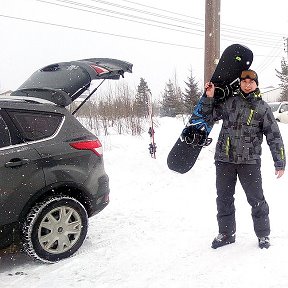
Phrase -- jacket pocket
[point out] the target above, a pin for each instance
(223, 146)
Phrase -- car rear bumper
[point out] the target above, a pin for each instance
(101, 199)
(99, 204)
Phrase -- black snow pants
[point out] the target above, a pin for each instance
(251, 181)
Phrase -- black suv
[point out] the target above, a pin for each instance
(52, 175)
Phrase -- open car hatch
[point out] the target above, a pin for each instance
(62, 83)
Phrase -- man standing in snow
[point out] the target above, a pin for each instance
(246, 118)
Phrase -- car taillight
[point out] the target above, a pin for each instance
(99, 70)
(93, 145)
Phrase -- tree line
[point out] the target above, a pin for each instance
(124, 111)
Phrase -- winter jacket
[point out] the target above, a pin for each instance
(245, 121)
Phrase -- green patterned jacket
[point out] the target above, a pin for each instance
(245, 121)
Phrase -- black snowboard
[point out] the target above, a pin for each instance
(185, 151)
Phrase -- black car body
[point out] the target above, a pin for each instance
(52, 176)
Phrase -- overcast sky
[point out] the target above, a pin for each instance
(170, 42)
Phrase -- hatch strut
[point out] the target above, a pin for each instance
(82, 103)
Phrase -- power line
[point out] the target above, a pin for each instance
(248, 31)
(99, 32)
(238, 29)
(268, 60)
(109, 34)
(253, 41)
(143, 11)
(259, 35)
(115, 12)
(259, 38)
(233, 28)
(147, 6)
(256, 42)
(126, 19)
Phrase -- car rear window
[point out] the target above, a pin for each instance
(36, 126)
(5, 139)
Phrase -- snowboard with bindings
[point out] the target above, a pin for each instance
(195, 134)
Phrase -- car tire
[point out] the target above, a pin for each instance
(54, 229)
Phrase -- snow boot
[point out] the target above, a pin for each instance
(264, 242)
(222, 239)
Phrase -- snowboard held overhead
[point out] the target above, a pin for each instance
(194, 136)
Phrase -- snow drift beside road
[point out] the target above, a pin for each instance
(158, 228)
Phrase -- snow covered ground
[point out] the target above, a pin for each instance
(158, 228)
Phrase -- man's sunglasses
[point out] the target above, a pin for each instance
(248, 74)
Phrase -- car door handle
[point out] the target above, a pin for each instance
(15, 162)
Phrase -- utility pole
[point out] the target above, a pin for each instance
(212, 37)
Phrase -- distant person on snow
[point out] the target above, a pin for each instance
(246, 118)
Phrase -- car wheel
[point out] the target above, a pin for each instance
(54, 229)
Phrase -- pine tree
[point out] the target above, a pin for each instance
(141, 100)
(191, 95)
(171, 103)
(283, 76)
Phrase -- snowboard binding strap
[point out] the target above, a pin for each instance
(195, 137)
(198, 140)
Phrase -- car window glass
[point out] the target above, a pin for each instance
(284, 107)
(36, 126)
(274, 107)
(5, 139)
